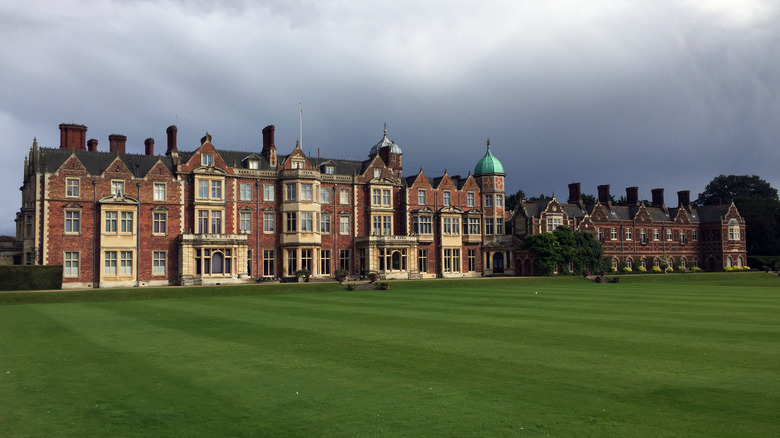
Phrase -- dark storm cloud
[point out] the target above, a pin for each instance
(654, 94)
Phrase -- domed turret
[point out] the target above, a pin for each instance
(386, 142)
(488, 164)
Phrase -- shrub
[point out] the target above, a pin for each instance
(585, 273)
(341, 275)
(627, 270)
(302, 273)
(669, 269)
(612, 269)
(695, 269)
(599, 279)
(614, 280)
(381, 286)
(641, 269)
(350, 286)
(656, 269)
(373, 277)
(728, 268)
(30, 277)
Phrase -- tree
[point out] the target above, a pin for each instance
(514, 199)
(546, 251)
(588, 199)
(564, 246)
(757, 202)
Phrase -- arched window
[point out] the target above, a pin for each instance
(739, 261)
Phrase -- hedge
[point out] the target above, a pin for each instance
(27, 277)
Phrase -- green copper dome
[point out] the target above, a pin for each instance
(488, 164)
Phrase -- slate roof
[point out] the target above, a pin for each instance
(97, 162)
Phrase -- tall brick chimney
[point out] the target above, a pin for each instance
(269, 148)
(658, 197)
(149, 146)
(632, 195)
(92, 145)
(604, 196)
(171, 131)
(116, 143)
(574, 193)
(73, 136)
(684, 197)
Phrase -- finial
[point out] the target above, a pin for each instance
(385, 128)
(488, 143)
(297, 144)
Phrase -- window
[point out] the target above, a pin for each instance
(630, 264)
(450, 225)
(422, 224)
(382, 225)
(489, 226)
(111, 221)
(268, 263)
(451, 260)
(377, 173)
(325, 196)
(473, 225)
(613, 233)
(207, 160)
(125, 263)
(216, 222)
(422, 260)
(446, 198)
(599, 235)
(110, 263)
(325, 223)
(330, 170)
(733, 229)
(245, 192)
(470, 199)
(254, 164)
(126, 222)
(655, 235)
(268, 193)
(343, 224)
(209, 221)
(307, 192)
(70, 264)
(499, 227)
(306, 260)
(488, 200)
(669, 235)
(307, 222)
(421, 197)
(627, 234)
(386, 197)
(292, 192)
(694, 235)
(553, 222)
(159, 191)
(642, 236)
(72, 222)
(344, 196)
(472, 255)
(216, 189)
(499, 200)
(72, 188)
(297, 164)
(292, 225)
(159, 223)
(158, 262)
(344, 259)
(245, 222)
(28, 224)
(217, 261)
(117, 188)
(683, 240)
(269, 222)
(325, 262)
(203, 189)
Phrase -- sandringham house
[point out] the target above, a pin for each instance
(214, 216)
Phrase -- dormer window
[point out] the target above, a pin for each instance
(377, 173)
(297, 164)
(330, 170)
(207, 160)
(254, 164)
(117, 188)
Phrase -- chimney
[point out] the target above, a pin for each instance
(574, 193)
(149, 146)
(172, 130)
(658, 197)
(684, 197)
(116, 143)
(73, 136)
(92, 145)
(632, 195)
(268, 137)
(604, 196)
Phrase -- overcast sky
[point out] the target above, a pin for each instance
(657, 93)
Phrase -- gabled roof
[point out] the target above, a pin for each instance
(97, 162)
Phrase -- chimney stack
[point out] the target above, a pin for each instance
(684, 197)
(171, 131)
(575, 194)
(116, 143)
(92, 145)
(632, 195)
(149, 146)
(658, 197)
(604, 196)
(268, 138)
(73, 136)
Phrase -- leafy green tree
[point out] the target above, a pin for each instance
(588, 252)
(514, 199)
(546, 251)
(588, 199)
(757, 202)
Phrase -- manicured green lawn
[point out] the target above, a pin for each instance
(694, 355)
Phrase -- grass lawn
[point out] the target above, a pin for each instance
(694, 355)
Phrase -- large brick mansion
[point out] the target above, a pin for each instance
(213, 216)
